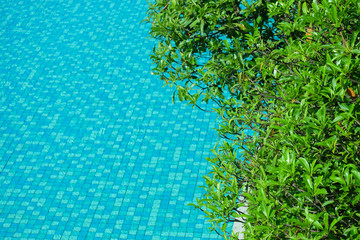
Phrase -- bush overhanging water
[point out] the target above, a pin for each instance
(285, 76)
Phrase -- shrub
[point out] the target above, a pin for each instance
(285, 77)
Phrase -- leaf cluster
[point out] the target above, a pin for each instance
(285, 77)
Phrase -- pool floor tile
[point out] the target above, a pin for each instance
(91, 145)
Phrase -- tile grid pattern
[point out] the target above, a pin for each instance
(91, 146)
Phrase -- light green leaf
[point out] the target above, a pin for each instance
(305, 164)
(338, 118)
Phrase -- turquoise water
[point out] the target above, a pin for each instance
(91, 146)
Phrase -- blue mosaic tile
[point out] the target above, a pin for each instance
(91, 145)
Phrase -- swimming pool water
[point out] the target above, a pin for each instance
(91, 146)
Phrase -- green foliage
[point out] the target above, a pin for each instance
(285, 76)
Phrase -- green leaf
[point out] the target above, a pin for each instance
(309, 183)
(173, 97)
(356, 174)
(334, 14)
(338, 118)
(305, 165)
(321, 114)
(338, 180)
(335, 221)
(334, 67)
(202, 27)
(315, 6)
(321, 191)
(327, 203)
(304, 8)
(326, 221)
(356, 51)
